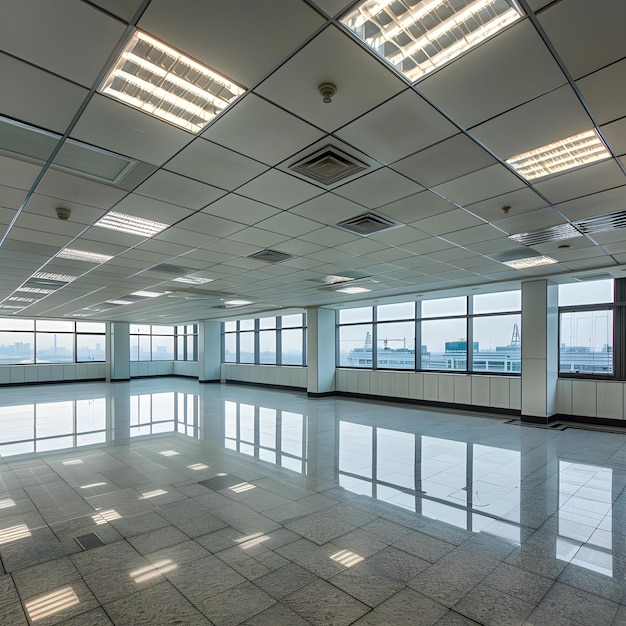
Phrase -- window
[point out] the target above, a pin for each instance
(276, 340)
(586, 328)
(163, 343)
(479, 333)
(51, 341)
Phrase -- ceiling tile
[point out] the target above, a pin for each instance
(179, 190)
(14, 173)
(488, 182)
(449, 159)
(509, 69)
(210, 225)
(258, 237)
(519, 201)
(212, 164)
(605, 92)
(328, 209)
(448, 222)
(418, 206)
(379, 187)
(328, 236)
(122, 8)
(474, 234)
(544, 120)
(289, 224)
(256, 40)
(261, 131)
(528, 222)
(122, 129)
(318, 63)
(54, 112)
(185, 237)
(400, 126)
(615, 134)
(595, 204)
(279, 190)
(582, 181)
(56, 35)
(599, 25)
(240, 209)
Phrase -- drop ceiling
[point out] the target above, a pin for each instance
(434, 153)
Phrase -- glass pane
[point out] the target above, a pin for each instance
(444, 307)
(55, 347)
(180, 348)
(246, 347)
(399, 311)
(497, 344)
(395, 458)
(246, 324)
(144, 348)
(290, 321)
(162, 348)
(91, 327)
(230, 326)
(267, 347)
(586, 342)
(90, 348)
(355, 346)
(494, 302)
(17, 348)
(444, 346)
(16, 324)
(267, 427)
(292, 346)
(347, 316)
(230, 348)
(355, 449)
(162, 330)
(191, 348)
(56, 327)
(139, 329)
(444, 470)
(591, 292)
(396, 345)
(267, 322)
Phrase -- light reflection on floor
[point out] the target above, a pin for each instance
(377, 505)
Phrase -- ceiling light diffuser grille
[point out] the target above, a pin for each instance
(154, 78)
(368, 224)
(547, 235)
(417, 36)
(328, 165)
(602, 223)
(130, 224)
(270, 256)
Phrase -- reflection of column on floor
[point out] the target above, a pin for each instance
(119, 408)
(539, 474)
(322, 436)
(211, 416)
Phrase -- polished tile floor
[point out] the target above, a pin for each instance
(162, 502)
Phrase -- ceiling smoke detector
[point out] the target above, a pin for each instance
(327, 91)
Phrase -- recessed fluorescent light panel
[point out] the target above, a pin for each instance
(118, 302)
(335, 279)
(193, 280)
(35, 290)
(237, 302)
(561, 155)
(62, 278)
(154, 78)
(533, 261)
(353, 290)
(130, 224)
(418, 36)
(146, 294)
(83, 255)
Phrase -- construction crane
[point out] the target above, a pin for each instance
(386, 342)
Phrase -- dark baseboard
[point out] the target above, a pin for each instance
(228, 381)
(53, 382)
(323, 394)
(212, 381)
(162, 376)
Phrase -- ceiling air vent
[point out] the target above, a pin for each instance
(547, 235)
(270, 256)
(328, 165)
(368, 224)
(602, 223)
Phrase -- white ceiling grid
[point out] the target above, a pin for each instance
(435, 153)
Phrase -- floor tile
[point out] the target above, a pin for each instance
(402, 609)
(284, 580)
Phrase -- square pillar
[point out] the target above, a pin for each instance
(320, 351)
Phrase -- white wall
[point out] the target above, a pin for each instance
(284, 375)
(151, 368)
(51, 372)
(591, 398)
(502, 392)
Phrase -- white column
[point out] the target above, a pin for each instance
(320, 351)
(209, 351)
(119, 353)
(540, 327)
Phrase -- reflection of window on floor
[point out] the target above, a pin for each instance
(585, 516)
(278, 437)
(431, 476)
(166, 412)
(46, 426)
